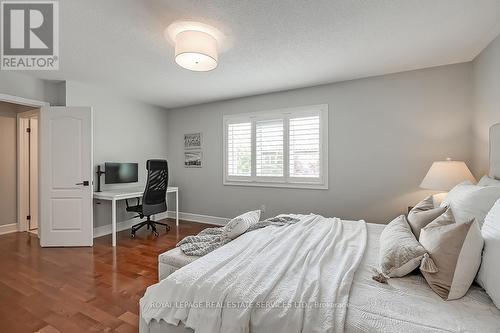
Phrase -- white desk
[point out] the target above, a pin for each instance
(129, 193)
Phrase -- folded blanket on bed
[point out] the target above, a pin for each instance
(293, 279)
(212, 238)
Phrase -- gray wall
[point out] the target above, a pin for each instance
(384, 133)
(486, 74)
(8, 164)
(12, 83)
(124, 131)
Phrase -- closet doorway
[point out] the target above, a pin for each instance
(19, 163)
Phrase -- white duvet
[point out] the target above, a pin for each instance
(295, 278)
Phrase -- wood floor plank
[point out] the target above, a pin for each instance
(51, 290)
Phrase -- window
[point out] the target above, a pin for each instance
(281, 148)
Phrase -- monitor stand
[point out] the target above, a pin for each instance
(99, 173)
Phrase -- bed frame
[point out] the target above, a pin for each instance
(495, 151)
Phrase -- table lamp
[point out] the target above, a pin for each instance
(444, 175)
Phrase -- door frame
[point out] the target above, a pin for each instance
(36, 104)
(24, 168)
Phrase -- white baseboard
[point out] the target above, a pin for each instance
(125, 225)
(8, 228)
(199, 218)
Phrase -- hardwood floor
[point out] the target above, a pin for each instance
(80, 289)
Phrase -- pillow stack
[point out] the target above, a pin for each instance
(447, 241)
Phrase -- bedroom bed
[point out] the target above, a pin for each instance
(405, 304)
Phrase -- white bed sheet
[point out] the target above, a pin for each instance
(409, 305)
(403, 305)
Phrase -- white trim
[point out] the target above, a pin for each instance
(8, 228)
(207, 219)
(307, 186)
(127, 224)
(286, 181)
(22, 168)
(23, 101)
(22, 173)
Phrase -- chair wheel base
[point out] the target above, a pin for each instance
(151, 225)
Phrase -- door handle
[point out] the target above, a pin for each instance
(84, 183)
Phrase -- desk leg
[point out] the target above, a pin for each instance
(177, 209)
(113, 222)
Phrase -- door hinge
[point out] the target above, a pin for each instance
(28, 217)
(28, 130)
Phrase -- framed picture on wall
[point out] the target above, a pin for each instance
(192, 141)
(193, 159)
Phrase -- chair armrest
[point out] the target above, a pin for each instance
(138, 202)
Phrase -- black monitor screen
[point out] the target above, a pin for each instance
(120, 173)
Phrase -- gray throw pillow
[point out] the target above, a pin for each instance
(400, 252)
(240, 224)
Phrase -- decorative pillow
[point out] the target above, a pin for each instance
(469, 201)
(489, 272)
(488, 181)
(423, 214)
(400, 252)
(455, 249)
(240, 224)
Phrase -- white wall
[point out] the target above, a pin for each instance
(8, 164)
(486, 74)
(384, 134)
(124, 131)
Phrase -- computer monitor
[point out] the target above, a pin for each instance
(116, 173)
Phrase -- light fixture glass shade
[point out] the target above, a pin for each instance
(196, 51)
(444, 175)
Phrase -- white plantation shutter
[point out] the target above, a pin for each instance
(305, 147)
(269, 148)
(239, 149)
(280, 148)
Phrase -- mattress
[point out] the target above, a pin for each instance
(403, 305)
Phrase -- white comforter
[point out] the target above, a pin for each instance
(288, 279)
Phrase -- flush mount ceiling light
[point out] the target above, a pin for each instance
(196, 45)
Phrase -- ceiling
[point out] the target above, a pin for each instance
(275, 45)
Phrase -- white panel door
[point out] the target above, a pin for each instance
(66, 166)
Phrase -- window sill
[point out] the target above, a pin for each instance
(306, 186)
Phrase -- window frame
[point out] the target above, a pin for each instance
(286, 181)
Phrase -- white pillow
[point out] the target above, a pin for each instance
(488, 181)
(489, 272)
(240, 224)
(469, 201)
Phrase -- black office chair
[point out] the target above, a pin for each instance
(154, 200)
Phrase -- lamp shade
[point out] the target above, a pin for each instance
(196, 50)
(444, 175)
